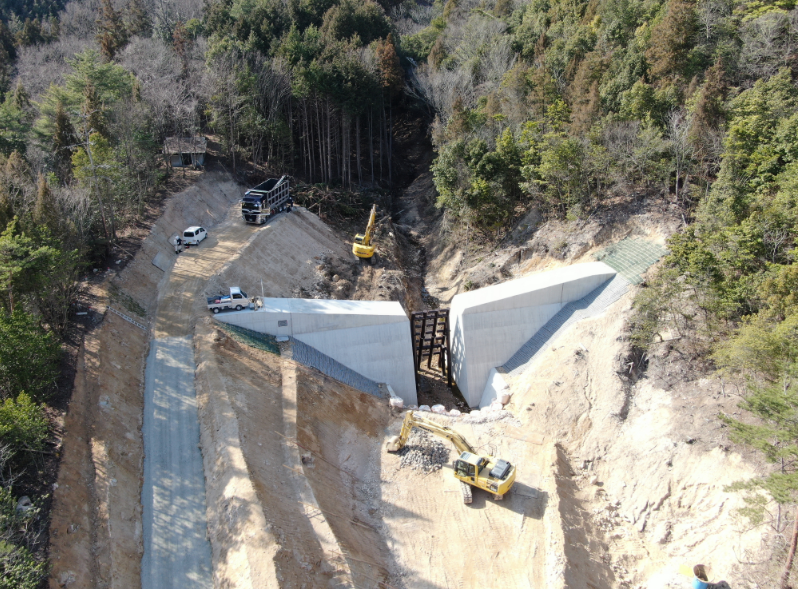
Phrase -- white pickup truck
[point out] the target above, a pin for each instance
(235, 300)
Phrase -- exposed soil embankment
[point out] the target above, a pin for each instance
(96, 527)
(643, 460)
(292, 467)
(647, 463)
(340, 433)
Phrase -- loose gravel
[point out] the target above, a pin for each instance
(423, 452)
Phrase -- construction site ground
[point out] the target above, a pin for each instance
(617, 486)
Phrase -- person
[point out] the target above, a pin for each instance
(289, 204)
(178, 245)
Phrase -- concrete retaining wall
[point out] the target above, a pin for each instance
(489, 325)
(369, 337)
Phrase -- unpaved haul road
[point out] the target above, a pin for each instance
(176, 549)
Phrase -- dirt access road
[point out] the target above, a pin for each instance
(173, 494)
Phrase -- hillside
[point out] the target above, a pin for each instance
(499, 138)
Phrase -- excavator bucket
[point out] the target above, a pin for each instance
(392, 445)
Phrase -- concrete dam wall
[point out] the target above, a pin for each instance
(370, 337)
(491, 324)
(487, 327)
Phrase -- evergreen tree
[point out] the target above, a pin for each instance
(390, 69)
(777, 438)
(181, 41)
(672, 38)
(768, 351)
(92, 111)
(7, 41)
(64, 140)
(111, 33)
(138, 20)
(709, 113)
(31, 33)
(44, 212)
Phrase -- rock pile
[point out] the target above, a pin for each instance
(423, 452)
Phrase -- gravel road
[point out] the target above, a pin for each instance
(176, 550)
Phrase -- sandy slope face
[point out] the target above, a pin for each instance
(288, 446)
(290, 463)
(646, 464)
(96, 527)
(295, 254)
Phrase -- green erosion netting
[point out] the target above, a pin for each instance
(260, 341)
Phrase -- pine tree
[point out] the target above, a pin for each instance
(21, 98)
(390, 70)
(709, 114)
(44, 212)
(31, 33)
(777, 437)
(671, 41)
(111, 33)
(8, 53)
(181, 41)
(7, 41)
(93, 115)
(138, 19)
(64, 140)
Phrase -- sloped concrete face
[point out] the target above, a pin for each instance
(370, 337)
(490, 324)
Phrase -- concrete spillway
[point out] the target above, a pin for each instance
(369, 337)
(489, 325)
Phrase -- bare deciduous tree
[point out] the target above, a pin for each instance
(768, 42)
(39, 66)
(681, 148)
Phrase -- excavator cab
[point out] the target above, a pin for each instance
(467, 466)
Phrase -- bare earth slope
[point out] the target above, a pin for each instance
(641, 466)
(647, 463)
(96, 527)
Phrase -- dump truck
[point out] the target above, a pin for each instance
(362, 247)
(235, 300)
(266, 200)
(472, 470)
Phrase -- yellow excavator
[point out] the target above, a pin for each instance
(362, 247)
(473, 470)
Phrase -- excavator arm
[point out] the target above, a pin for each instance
(370, 226)
(362, 247)
(412, 420)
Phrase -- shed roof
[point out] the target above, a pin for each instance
(196, 144)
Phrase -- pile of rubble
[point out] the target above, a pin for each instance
(423, 452)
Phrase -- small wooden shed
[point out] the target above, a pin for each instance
(183, 152)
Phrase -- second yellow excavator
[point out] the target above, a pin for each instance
(473, 470)
(362, 247)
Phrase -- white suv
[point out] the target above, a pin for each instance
(193, 235)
